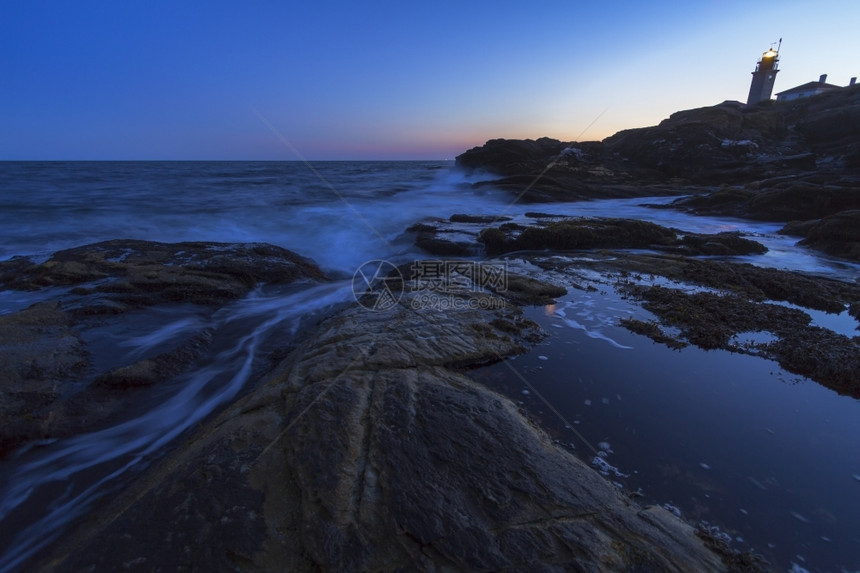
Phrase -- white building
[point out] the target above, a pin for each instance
(810, 89)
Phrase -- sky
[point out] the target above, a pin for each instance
(333, 80)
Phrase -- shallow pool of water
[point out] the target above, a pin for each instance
(732, 440)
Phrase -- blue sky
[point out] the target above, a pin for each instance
(383, 80)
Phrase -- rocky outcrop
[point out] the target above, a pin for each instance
(568, 233)
(139, 273)
(772, 162)
(512, 156)
(837, 234)
(39, 353)
(366, 449)
(711, 321)
(51, 384)
(739, 298)
(725, 143)
(805, 198)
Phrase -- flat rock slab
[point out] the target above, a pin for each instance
(366, 450)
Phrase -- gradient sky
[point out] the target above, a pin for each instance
(383, 80)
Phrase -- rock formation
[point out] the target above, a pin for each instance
(366, 449)
(773, 161)
(48, 383)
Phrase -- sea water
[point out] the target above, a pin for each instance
(731, 442)
(342, 214)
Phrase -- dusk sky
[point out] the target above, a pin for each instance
(383, 80)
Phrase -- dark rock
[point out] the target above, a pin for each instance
(582, 233)
(815, 141)
(421, 227)
(494, 240)
(558, 233)
(541, 188)
(491, 219)
(364, 451)
(39, 352)
(159, 368)
(710, 321)
(540, 215)
(754, 283)
(526, 290)
(145, 273)
(702, 144)
(441, 246)
(512, 156)
(652, 330)
(451, 238)
(837, 235)
(784, 201)
(830, 123)
(720, 244)
(49, 385)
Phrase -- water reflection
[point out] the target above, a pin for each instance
(732, 441)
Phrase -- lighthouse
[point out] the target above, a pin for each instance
(764, 76)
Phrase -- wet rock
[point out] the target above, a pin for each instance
(159, 368)
(652, 330)
(46, 377)
(461, 218)
(365, 450)
(562, 234)
(784, 201)
(711, 321)
(743, 302)
(39, 351)
(445, 247)
(455, 238)
(50, 384)
(752, 282)
(720, 244)
(526, 290)
(830, 124)
(837, 235)
(579, 233)
(144, 273)
(821, 355)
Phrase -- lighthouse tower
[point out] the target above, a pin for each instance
(764, 76)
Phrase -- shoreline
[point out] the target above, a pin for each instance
(375, 484)
(523, 291)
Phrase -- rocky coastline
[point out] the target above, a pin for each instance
(366, 445)
(796, 163)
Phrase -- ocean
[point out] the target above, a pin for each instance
(674, 421)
